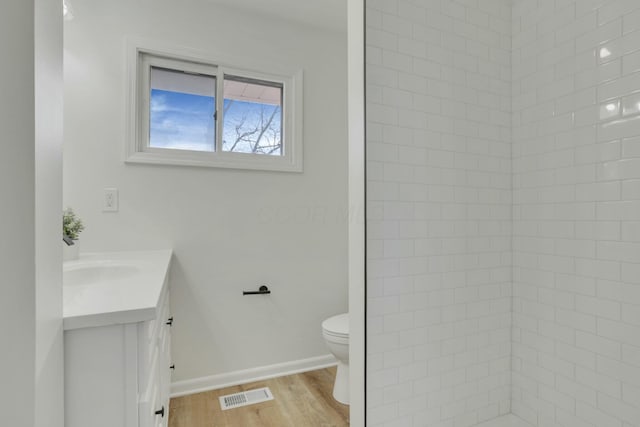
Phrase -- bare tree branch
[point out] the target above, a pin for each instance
(264, 127)
(256, 130)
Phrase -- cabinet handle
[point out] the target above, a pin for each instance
(170, 321)
(160, 412)
(173, 367)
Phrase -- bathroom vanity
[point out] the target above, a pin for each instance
(117, 339)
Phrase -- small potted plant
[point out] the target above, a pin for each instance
(72, 226)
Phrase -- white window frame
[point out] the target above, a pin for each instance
(137, 149)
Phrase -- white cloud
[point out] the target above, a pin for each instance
(158, 104)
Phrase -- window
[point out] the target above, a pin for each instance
(252, 116)
(198, 113)
(181, 110)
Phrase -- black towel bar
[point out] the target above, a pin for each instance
(262, 290)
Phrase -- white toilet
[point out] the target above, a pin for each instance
(335, 331)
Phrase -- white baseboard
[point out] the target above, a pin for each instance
(214, 382)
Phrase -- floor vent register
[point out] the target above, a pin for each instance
(245, 398)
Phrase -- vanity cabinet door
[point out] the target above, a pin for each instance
(150, 401)
(159, 413)
(96, 377)
(147, 350)
(164, 357)
(119, 375)
(155, 374)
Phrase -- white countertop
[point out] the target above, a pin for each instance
(111, 288)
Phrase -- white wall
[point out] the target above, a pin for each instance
(439, 211)
(576, 336)
(231, 230)
(49, 363)
(17, 187)
(31, 187)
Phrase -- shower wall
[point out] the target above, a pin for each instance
(439, 211)
(576, 164)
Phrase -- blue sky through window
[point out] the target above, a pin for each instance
(185, 121)
(181, 121)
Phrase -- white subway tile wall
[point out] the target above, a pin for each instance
(474, 108)
(576, 212)
(439, 211)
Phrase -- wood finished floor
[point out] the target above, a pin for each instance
(300, 400)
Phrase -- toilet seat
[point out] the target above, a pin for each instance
(337, 326)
